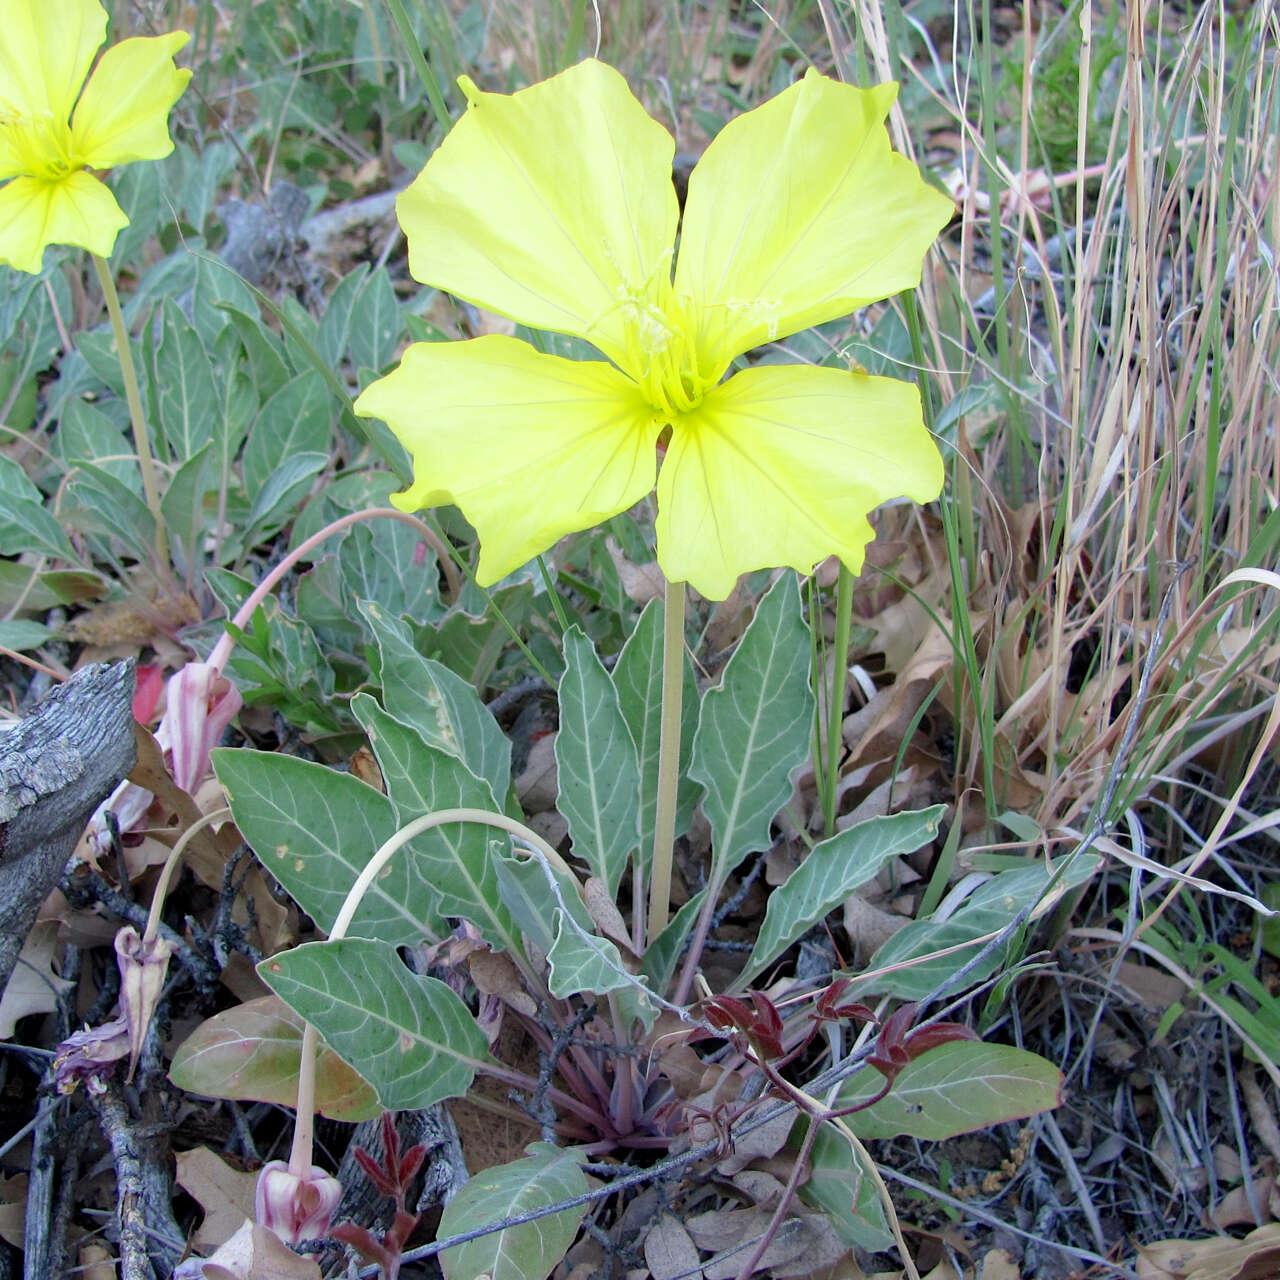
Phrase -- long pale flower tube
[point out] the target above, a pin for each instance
(554, 206)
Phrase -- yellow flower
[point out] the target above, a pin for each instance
(54, 127)
(554, 206)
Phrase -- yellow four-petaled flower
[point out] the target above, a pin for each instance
(55, 127)
(554, 206)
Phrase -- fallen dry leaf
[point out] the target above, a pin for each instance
(997, 1265)
(13, 1209)
(253, 1253)
(96, 1262)
(1256, 1257)
(34, 987)
(225, 1194)
(669, 1250)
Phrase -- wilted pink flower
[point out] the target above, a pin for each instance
(142, 973)
(87, 1057)
(295, 1208)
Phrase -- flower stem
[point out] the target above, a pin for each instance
(425, 74)
(664, 821)
(171, 864)
(835, 704)
(141, 440)
(304, 1122)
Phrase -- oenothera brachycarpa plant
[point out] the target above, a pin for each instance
(554, 207)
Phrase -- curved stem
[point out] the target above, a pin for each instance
(170, 865)
(133, 397)
(664, 821)
(222, 650)
(304, 1123)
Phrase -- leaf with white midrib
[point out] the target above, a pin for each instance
(454, 858)
(955, 1088)
(315, 829)
(830, 872)
(598, 777)
(531, 1250)
(409, 1036)
(755, 729)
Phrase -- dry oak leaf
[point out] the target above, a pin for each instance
(225, 1194)
(1256, 1257)
(253, 1253)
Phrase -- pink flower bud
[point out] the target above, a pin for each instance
(295, 1208)
(200, 703)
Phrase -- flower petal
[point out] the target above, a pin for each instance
(553, 206)
(799, 213)
(123, 114)
(529, 446)
(45, 54)
(781, 465)
(77, 210)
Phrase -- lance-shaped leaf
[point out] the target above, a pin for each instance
(991, 906)
(526, 1252)
(453, 858)
(315, 829)
(599, 779)
(831, 871)
(440, 705)
(755, 729)
(409, 1036)
(958, 1087)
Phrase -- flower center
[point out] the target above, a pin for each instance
(40, 145)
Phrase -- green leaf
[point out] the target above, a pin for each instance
(598, 778)
(15, 483)
(315, 830)
(841, 1187)
(383, 560)
(579, 965)
(531, 1250)
(296, 419)
(755, 730)
(26, 526)
(989, 908)
(218, 289)
(662, 954)
(182, 506)
(262, 347)
(331, 337)
(104, 505)
(20, 634)
(637, 676)
(955, 1088)
(252, 1053)
(409, 1036)
(440, 705)
(187, 403)
(831, 871)
(375, 324)
(457, 860)
(531, 901)
(86, 434)
(281, 492)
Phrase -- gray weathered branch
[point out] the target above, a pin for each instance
(56, 767)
